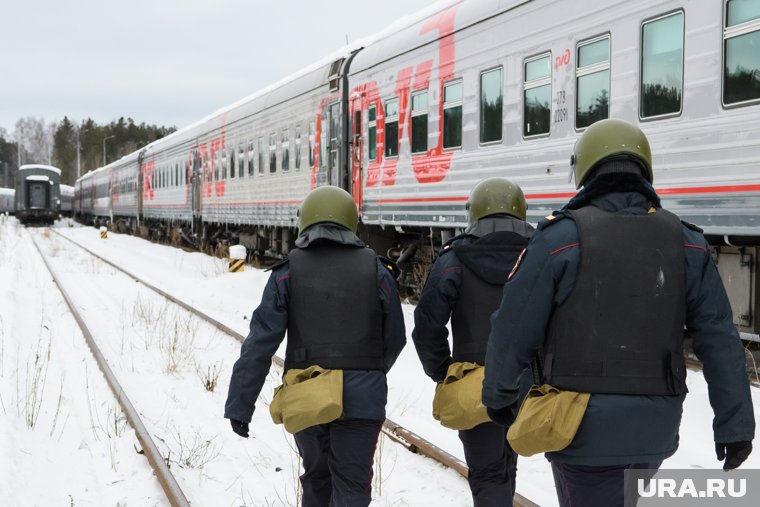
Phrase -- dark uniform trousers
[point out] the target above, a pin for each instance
(596, 486)
(337, 461)
(492, 465)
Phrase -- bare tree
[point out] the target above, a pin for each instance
(35, 138)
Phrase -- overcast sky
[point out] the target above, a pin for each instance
(166, 62)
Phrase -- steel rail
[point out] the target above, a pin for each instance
(168, 483)
(397, 433)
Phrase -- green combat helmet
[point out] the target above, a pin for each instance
(608, 138)
(328, 204)
(495, 196)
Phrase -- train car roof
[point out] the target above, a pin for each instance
(406, 34)
(309, 77)
(26, 167)
(7, 191)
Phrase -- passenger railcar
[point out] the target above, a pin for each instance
(410, 119)
(6, 200)
(38, 194)
(67, 200)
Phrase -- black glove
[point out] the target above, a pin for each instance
(734, 453)
(503, 416)
(240, 428)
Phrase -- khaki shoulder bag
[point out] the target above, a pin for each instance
(307, 397)
(548, 418)
(457, 403)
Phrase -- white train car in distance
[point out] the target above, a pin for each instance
(6, 200)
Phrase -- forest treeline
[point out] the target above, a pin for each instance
(35, 141)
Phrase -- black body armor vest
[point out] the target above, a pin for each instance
(335, 315)
(620, 331)
(480, 294)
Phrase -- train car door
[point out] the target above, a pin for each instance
(357, 153)
(333, 150)
(37, 194)
(197, 185)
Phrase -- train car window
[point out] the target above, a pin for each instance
(537, 95)
(225, 165)
(491, 100)
(311, 143)
(241, 160)
(452, 114)
(391, 128)
(420, 122)
(741, 44)
(231, 164)
(592, 81)
(261, 156)
(217, 163)
(661, 66)
(250, 158)
(297, 150)
(285, 150)
(372, 137)
(272, 152)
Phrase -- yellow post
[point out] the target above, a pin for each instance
(237, 259)
(103, 232)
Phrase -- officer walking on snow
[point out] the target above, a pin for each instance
(339, 304)
(604, 290)
(465, 285)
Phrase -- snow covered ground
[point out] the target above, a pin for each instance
(64, 440)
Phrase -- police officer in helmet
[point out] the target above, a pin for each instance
(339, 304)
(603, 293)
(465, 286)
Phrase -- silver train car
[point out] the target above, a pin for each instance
(6, 200)
(38, 194)
(410, 119)
(67, 200)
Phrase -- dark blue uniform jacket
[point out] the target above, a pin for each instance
(442, 288)
(364, 392)
(619, 429)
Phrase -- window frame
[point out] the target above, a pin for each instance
(641, 65)
(536, 83)
(372, 124)
(241, 160)
(591, 69)
(250, 159)
(273, 152)
(729, 33)
(297, 148)
(480, 106)
(387, 120)
(412, 115)
(457, 103)
(285, 149)
(262, 157)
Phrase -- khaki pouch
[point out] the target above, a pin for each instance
(547, 421)
(307, 397)
(457, 403)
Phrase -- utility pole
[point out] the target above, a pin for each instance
(79, 148)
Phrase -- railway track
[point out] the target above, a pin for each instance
(157, 462)
(394, 431)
